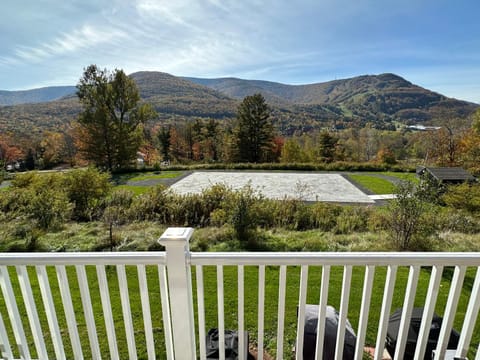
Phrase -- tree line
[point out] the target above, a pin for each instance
(115, 128)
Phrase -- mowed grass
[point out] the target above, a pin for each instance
(133, 177)
(136, 189)
(403, 176)
(126, 181)
(154, 176)
(230, 304)
(374, 184)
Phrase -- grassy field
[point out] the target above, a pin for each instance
(379, 185)
(129, 181)
(230, 285)
(134, 177)
(402, 176)
(374, 184)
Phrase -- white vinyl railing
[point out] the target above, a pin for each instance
(159, 305)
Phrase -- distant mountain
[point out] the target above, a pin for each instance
(385, 97)
(379, 99)
(173, 95)
(35, 95)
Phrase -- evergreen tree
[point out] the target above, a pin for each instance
(111, 120)
(253, 134)
(328, 145)
(164, 139)
(254, 131)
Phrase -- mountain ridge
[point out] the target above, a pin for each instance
(37, 95)
(382, 99)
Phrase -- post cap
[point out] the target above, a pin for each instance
(176, 234)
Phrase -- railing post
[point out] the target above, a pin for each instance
(175, 241)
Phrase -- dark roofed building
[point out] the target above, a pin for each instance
(447, 175)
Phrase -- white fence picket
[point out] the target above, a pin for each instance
(302, 299)
(31, 308)
(12, 309)
(261, 309)
(342, 318)
(64, 287)
(167, 322)
(88, 311)
(364, 311)
(5, 348)
(430, 301)
(50, 312)
(281, 310)
(127, 314)
(147, 317)
(385, 312)
(107, 311)
(468, 324)
(322, 309)
(201, 312)
(241, 308)
(404, 326)
(450, 309)
(221, 314)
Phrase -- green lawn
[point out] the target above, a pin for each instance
(403, 176)
(230, 286)
(124, 178)
(374, 184)
(136, 189)
(378, 185)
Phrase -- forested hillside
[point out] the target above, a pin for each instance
(381, 100)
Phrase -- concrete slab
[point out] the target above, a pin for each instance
(278, 185)
(383, 197)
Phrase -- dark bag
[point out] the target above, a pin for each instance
(231, 344)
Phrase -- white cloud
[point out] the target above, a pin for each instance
(87, 36)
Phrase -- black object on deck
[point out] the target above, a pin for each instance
(231, 344)
(330, 339)
(414, 328)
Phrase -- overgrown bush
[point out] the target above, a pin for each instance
(410, 220)
(86, 190)
(465, 196)
(352, 219)
(242, 215)
(40, 198)
(324, 216)
(117, 212)
(153, 205)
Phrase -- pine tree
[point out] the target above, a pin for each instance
(254, 131)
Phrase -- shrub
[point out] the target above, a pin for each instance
(324, 216)
(352, 219)
(38, 197)
(408, 222)
(87, 189)
(242, 216)
(48, 207)
(465, 196)
(117, 206)
(153, 205)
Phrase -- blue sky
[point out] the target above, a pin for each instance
(432, 43)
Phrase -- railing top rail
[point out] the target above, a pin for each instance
(247, 258)
(84, 258)
(337, 258)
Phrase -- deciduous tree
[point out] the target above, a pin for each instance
(111, 118)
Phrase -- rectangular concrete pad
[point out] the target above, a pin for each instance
(278, 185)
